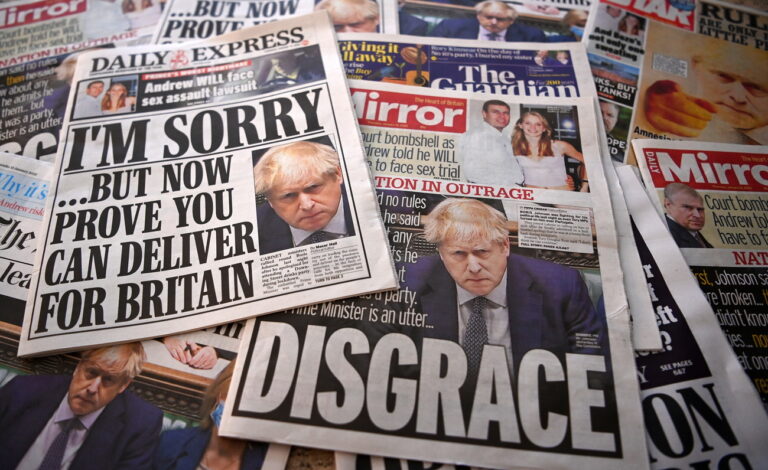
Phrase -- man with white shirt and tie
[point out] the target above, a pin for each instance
(495, 21)
(499, 298)
(86, 421)
(685, 215)
(306, 199)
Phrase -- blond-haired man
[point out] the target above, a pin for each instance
(305, 193)
(494, 21)
(86, 421)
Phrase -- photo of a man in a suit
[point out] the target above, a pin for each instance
(306, 200)
(477, 291)
(495, 21)
(685, 215)
(86, 421)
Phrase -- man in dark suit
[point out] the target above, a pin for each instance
(476, 287)
(87, 421)
(303, 185)
(495, 22)
(685, 215)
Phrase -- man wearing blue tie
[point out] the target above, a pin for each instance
(86, 421)
(495, 21)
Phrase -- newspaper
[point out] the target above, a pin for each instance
(715, 208)
(658, 58)
(39, 46)
(24, 185)
(699, 407)
(345, 461)
(185, 20)
(34, 29)
(174, 163)
(177, 371)
(507, 21)
(365, 375)
(553, 70)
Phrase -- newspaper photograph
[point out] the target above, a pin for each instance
(548, 70)
(179, 137)
(691, 72)
(186, 20)
(493, 20)
(700, 409)
(180, 376)
(538, 324)
(713, 201)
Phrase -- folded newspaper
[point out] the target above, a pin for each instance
(404, 373)
(712, 199)
(201, 195)
(700, 409)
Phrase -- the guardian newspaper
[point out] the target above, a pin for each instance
(527, 253)
(700, 409)
(202, 195)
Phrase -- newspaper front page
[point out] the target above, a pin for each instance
(700, 409)
(185, 20)
(156, 195)
(520, 69)
(400, 373)
(39, 46)
(496, 21)
(178, 375)
(680, 71)
(712, 199)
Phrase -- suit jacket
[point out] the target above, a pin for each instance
(469, 28)
(683, 237)
(182, 449)
(410, 24)
(548, 305)
(275, 234)
(124, 435)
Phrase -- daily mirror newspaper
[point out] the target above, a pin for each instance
(182, 375)
(185, 20)
(29, 28)
(680, 71)
(507, 345)
(519, 69)
(712, 198)
(700, 409)
(156, 194)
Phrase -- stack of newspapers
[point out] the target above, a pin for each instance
(420, 234)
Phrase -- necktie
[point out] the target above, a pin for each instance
(476, 335)
(699, 239)
(52, 459)
(494, 37)
(317, 237)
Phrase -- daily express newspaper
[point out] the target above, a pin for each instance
(519, 69)
(690, 71)
(494, 21)
(387, 374)
(154, 194)
(712, 198)
(185, 20)
(178, 376)
(39, 46)
(700, 409)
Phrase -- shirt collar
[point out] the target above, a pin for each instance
(337, 225)
(498, 295)
(64, 412)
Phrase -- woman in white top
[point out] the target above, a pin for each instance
(116, 100)
(540, 157)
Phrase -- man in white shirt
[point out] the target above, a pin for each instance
(486, 153)
(306, 199)
(88, 103)
(87, 420)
